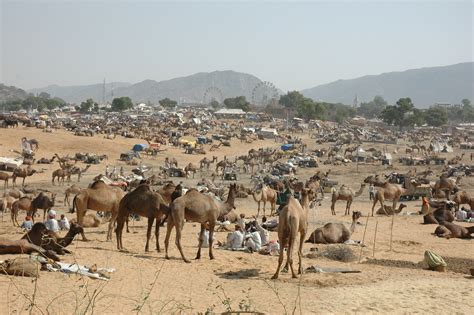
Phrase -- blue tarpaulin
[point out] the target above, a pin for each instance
(287, 147)
(139, 147)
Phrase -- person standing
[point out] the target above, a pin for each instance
(371, 192)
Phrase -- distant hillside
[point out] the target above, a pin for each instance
(79, 93)
(425, 86)
(187, 89)
(11, 93)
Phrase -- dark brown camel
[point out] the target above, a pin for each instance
(49, 240)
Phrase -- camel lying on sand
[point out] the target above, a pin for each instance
(293, 220)
(197, 207)
(334, 233)
(146, 203)
(50, 240)
(388, 209)
(451, 230)
(442, 212)
(89, 221)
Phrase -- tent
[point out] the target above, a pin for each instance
(188, 140)
(139, 147)
(287, 147)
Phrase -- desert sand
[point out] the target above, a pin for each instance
(390, 281)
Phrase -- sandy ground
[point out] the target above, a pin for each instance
(390, 280)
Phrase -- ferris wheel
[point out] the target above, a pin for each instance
(212, 94)
(264, 93)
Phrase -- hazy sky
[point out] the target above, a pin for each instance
(293, 44)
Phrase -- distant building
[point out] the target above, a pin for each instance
(230, 113)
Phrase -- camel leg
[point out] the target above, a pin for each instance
(179, 227)
(23, 183)
(211, 238)
(201, 239)
(118, 232)
(157, 235)
(333, 208)
(300, 253)
(348, 207)
(151, 219)
(289, 254)
(264, 203)
(111, 226)
(258, 210)
(280, 258)
(169, 228)
(374, 203)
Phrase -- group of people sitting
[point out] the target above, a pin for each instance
(51, 223)
(247, 236)
(466, 215)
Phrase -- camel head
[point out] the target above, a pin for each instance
(76, 229)
(369, 180)
(356, 215)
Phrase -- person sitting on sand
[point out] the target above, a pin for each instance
(252, 239)
(241, 222)
(223, 226)
(272, 249)
(27, 224)
(52, 224)
(264, 234)
(64, 223)
(205, 241)
(234, 240)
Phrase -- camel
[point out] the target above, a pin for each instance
(190, 168)
(334, 233)
(72, 190)
(206, 162)
(388, 209)
(61, 174)
(293, 220)
(462, 197)
(166, 192)
(23, 203)
(146, 203)
(34, 144)
(345, 193)
(385, 191)
(23, 173)
(90, 220)
(450, 230)
(4, 177)
(99, 197)
(266, 194)
(50, 240)
(441, 213)
(46, 161)
(446, 185)
(77, 171)
(197, 207)
(23, 246)
(42, 201)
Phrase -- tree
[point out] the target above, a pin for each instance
(121, 103)
(44, 95)
(292, 100)
(167, 103)
(466, 102)
(402, 114)
(436, 116)
(214, 104)
(86, 106)
(237, 102)
(372, 109)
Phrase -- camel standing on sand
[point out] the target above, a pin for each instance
(266, 194)
(23, 246)
(23, 173)
(99, 197)
(447, 185)
(206, 162)
(77, 171)
(197, 207)
(293, 220)
(4, 177)
(41, 201)
(384, 191)
(61, 174)
(462, 197)
(72, 190)
(146, 203)
(24, 203)
(345, 193)
(334, 233)
(166, 192)
(190, 168)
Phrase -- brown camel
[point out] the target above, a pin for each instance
(77, 171)
(99, 197)
(334, 233)
(23, 246)
(447, 185)
(61, 174)
(441, 212)
(4, 177)
(42, 201)
(197, 207)
(50, 240)
(293, 220)
(462, 197)
(146, 203)
(23, 173)
(23, 203)
(388, 209)
(90, 220)
(166, 192)
(345, 193)
(384, 191)
(450, 230)
(72, 190)
(190, 168)
(264, 195)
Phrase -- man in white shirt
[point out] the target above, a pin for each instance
(264, 235)
(64, 223)
(235, 239)
(253, 241)
(52, 224)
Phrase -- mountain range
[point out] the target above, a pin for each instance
(425, 86)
